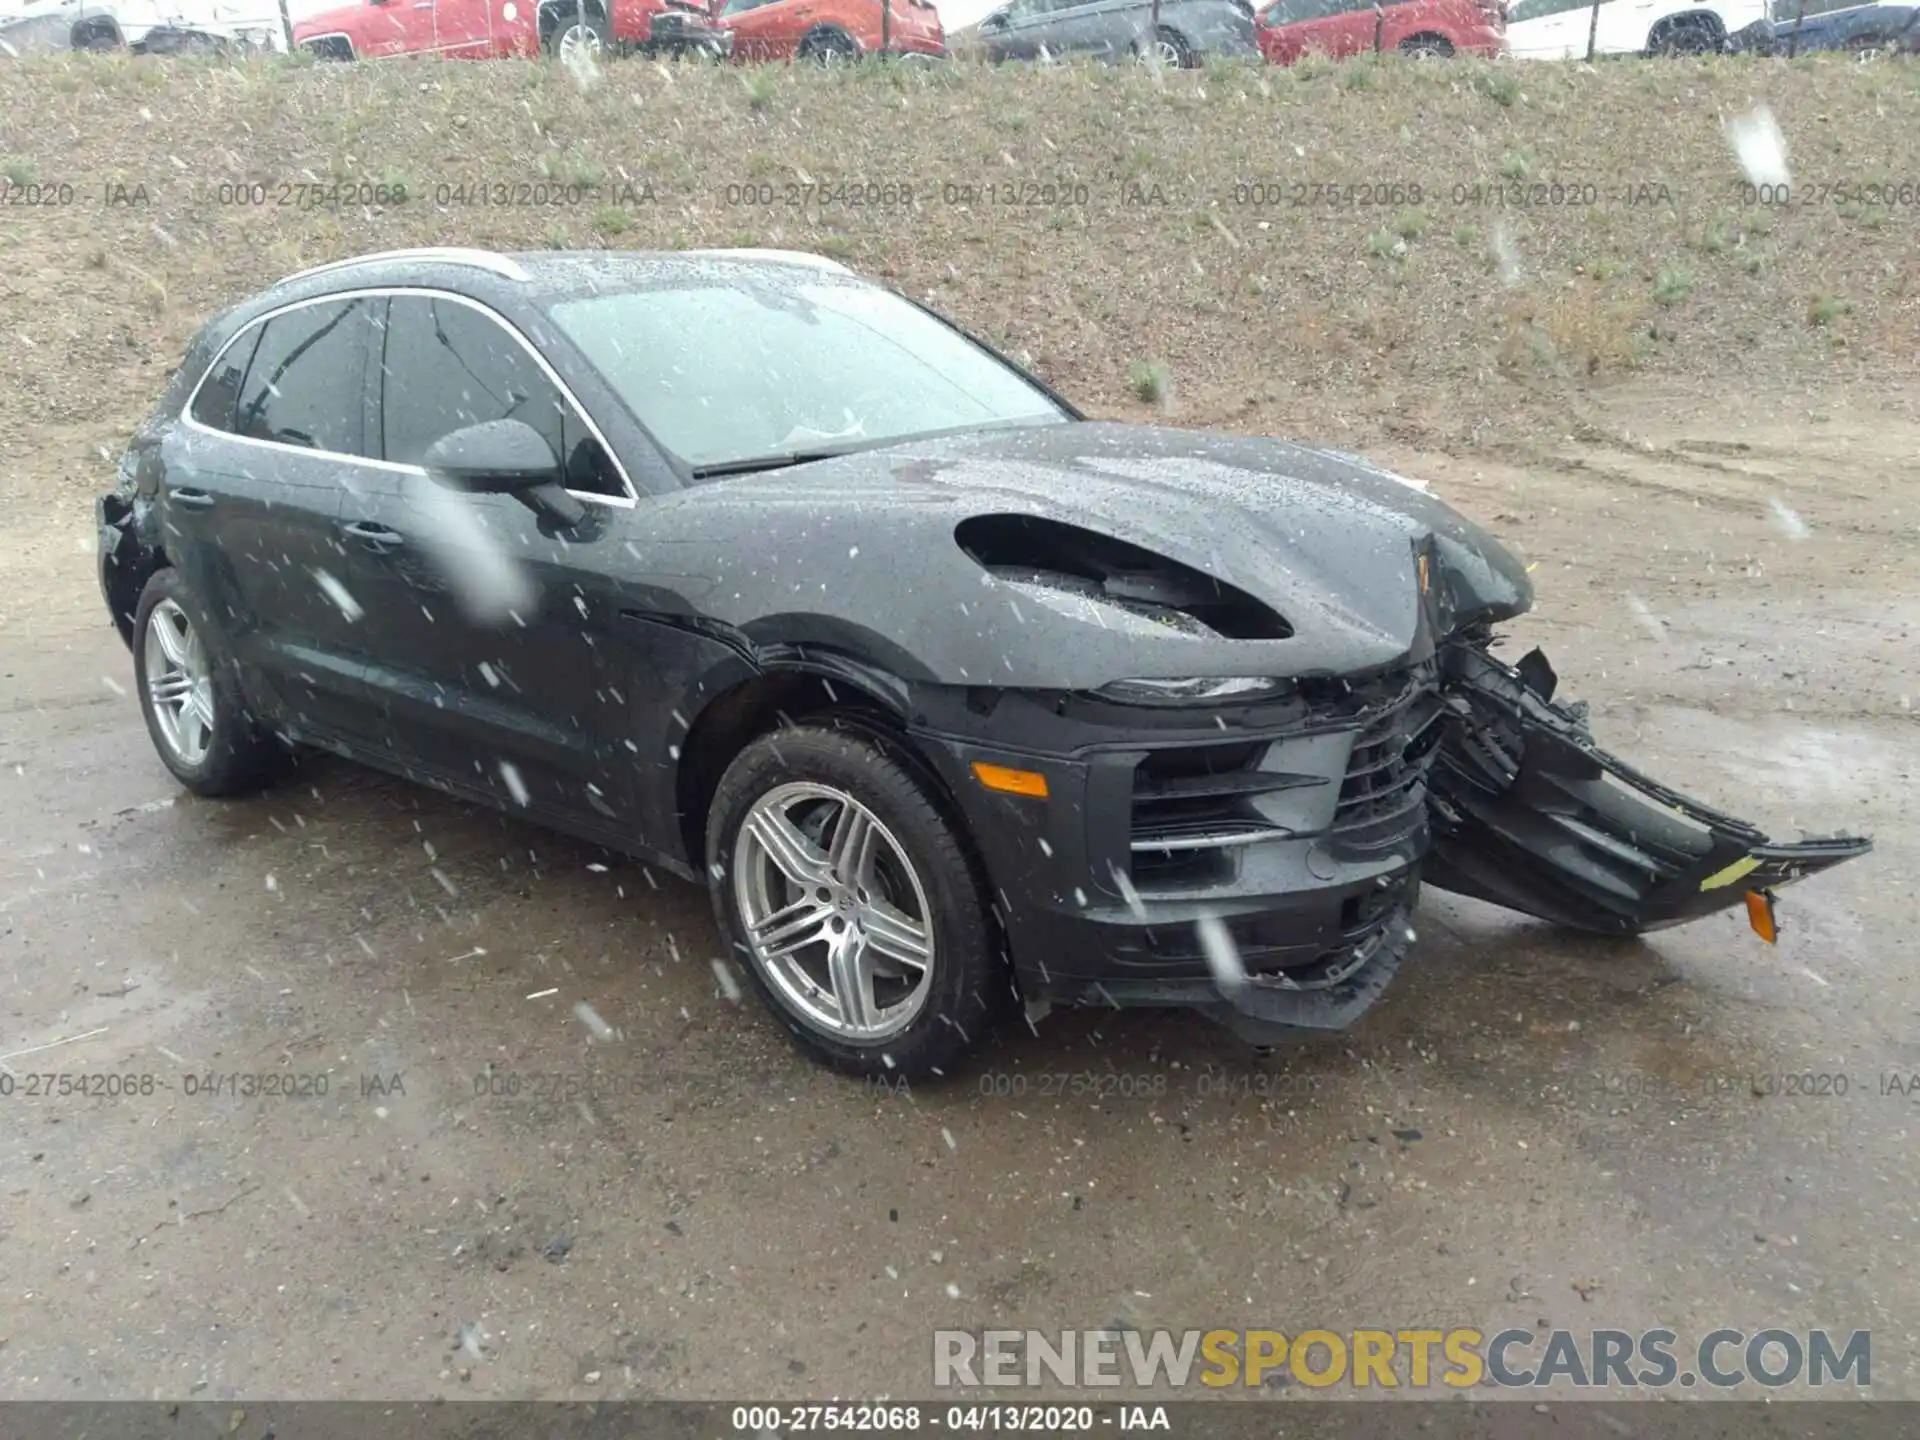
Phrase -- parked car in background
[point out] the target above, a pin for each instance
(1559, 29)
(156, 27)
(1434, 29)
(484, 30)
(1186, 33)
(1794, 29)
(827, 31)
(1023, 706)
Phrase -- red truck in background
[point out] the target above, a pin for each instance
(498, 29)
(1430, 29)
(825, 31)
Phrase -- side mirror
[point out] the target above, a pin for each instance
(996, 21)
(504, 457)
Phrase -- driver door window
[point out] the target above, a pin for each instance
(448, 364)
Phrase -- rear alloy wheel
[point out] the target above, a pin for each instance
(189, 698)
(1168, 48)
(582, 39)
(851, 901)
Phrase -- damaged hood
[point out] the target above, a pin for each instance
(1326, 542)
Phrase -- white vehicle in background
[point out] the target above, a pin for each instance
(1558, 29)
(154, 27)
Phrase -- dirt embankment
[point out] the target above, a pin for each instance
(1444, 255)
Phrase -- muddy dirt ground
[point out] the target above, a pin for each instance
(718, 1218)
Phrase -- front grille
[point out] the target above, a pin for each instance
(1195, 807)
(1387, 773)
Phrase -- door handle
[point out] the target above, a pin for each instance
(191, 498)
(371, 534)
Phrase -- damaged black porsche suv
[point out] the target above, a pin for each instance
(740, 564)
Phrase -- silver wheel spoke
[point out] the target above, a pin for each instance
(171, 688)
(852, 981)
(199, 707)
(895, 935)
(788, 930)
(172, 644)
(851, 859)
(797, 857)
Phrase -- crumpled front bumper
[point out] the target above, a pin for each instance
(687, 32)
(1306, 831)
(1299, 831)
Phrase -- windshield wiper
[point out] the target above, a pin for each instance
(765, 462)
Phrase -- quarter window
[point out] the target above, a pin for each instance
(447, 365)
(219, 393)
(306, 385)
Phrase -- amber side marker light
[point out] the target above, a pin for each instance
(1010, 781)
(1760, 915)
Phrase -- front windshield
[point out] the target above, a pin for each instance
(722, 373)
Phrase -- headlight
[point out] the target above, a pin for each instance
(1193, 690)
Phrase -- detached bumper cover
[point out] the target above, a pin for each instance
(1531, 814)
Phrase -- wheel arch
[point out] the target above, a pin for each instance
(1700, 18)
(133, 566)
(89, 26)
(789, 686)
(824, 30)
(335, 45)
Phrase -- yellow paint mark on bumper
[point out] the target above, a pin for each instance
(1722, 878)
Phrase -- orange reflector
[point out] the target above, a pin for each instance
(1012, 782)
(1760, 915)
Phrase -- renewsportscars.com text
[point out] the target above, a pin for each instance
(1413, 1359)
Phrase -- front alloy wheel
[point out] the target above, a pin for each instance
(834, 913)
(852, 901)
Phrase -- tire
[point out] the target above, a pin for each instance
(226, 752)
(97, 36)
(1427, 47)
(827, 47)
(589, 30)
(920, 1018)
(1684, 37)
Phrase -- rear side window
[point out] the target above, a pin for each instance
(306, 385)
(447, 365)
(219, 393)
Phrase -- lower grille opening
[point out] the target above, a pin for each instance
(1196, 807)
(1181, 799)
